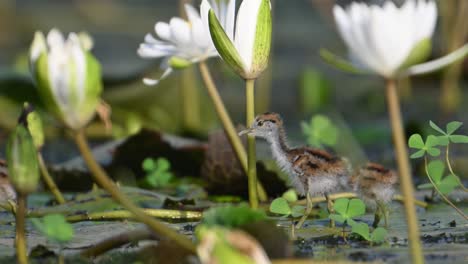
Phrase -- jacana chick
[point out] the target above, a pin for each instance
(376, 185)
(311, 171)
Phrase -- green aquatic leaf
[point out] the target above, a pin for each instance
(361, 229)
(379, 234)
(54, 227)
(338, 218)
(280, 206)
(232, 216)
(298, 210)
(348, 209)
(320, 131)
(356, 208)
(157, 172)
(290, 196)
(453, 126)
(429, 147)
(448, 184)
(416, 141)
(341, 206)
(459, 139)
(437, 128)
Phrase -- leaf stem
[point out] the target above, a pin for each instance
(49, 182)
(440, 193)
(404, 171)
(229, 128)
(123, 214)
(251, 157)
(20, 242)
(449, 165)
(103, 179)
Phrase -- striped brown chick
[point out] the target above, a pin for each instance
(311, 171)
(376, 185)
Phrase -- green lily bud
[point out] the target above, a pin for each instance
(249, 51)
(23, 166)
(68, 77)
(31, 119)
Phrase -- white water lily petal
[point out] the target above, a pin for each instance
(163, 30)
(38, 46)
(437, 64)
(188, 40)
(180, 31)
(244, 39)
(153, 82)
(230, 19)
(381, 38)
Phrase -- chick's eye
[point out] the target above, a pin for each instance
(260, 123)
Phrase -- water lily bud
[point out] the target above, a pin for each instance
(249, 50)
(68, 77)
(22, 160)
(31, 119)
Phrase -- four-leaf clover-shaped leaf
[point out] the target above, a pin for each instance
(430, 146)
(320, 131)
(157, 172)
(448, 136)
(347, 209)
(436, 171)
(54, 227)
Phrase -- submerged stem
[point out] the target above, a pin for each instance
(404, 171)
(440, 193)
(229, 128)
(252, 159)
(20, 241)
(123, 214)
(49, 182)
(105, 182)
(449, 165)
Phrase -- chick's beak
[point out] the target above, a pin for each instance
(246, 131)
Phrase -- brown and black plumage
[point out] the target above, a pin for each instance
(377, 186)
(311, 171)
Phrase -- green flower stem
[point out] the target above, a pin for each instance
(231, 132)
(449, 165)
(123, 214)
(440, 193)
(20, 242)
(103, 179)
(49, 182)
(117, 241)
(404, 171)
(251, 156)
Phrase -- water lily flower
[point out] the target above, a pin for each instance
(183, 42)
(385, 39)
(67, 75)
(247, 51)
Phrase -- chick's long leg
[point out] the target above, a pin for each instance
(330, 208)
(307, 211)
(384, 212)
